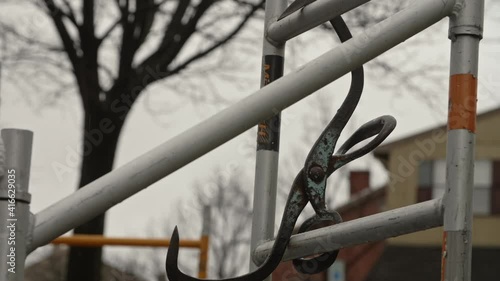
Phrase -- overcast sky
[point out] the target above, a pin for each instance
(57, 129)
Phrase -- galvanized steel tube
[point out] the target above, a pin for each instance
(116, 186)
(14, 203)
(466, 27)
(368, 229)
(268, 141)
(312, 15)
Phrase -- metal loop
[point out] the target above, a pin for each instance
(322, 262)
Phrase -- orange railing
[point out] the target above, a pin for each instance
(86, 240)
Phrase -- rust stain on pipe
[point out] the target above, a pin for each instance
(462, 102)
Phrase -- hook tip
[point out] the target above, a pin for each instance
(173, 251)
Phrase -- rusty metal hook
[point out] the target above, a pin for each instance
(310, 183)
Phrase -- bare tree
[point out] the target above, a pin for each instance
(110, 51)
(230, 201)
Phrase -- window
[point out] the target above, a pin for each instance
(481, 203)
(495, 189)
(425, 181)
(439, 179)
(432, 184)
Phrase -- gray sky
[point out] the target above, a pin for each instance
(57, 129)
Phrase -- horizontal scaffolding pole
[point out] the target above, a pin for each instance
(368, 229)
(116, 186)
(84, 240)
(312, 15)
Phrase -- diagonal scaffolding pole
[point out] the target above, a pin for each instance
(116, 186)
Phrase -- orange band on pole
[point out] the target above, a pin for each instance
(202, 270)
(462, 103)
(82, 240)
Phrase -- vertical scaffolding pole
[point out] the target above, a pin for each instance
(268, 135)
(204, 240)
(14, 203)
(466, 26)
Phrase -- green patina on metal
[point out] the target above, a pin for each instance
(310, 183)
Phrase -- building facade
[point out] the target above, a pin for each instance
(417, 172)
(353, 263)
(416, 166)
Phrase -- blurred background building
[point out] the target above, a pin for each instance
(416, 166)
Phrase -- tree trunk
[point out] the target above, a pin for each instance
(102, 129)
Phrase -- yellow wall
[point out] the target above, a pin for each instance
(403, 163)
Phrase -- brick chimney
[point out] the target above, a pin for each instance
(359, 180)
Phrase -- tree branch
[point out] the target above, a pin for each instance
(175, 25)
(169, 49)
(29, 40)
(210, 49)
(87, 33)
(175, 32)
(68, 43)
(109, 30)
(70, 14)
(128, 50)
(144, 17)
(143, 8)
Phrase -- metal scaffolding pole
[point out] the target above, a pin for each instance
(466, 27)
(368, 229)
(268, 141)
(205, 238)
(14, 204)
(312, 15)
(116, 186)
(94, 240)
